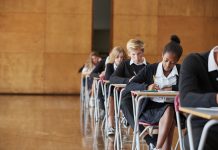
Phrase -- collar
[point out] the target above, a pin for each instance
(212, 66)
(159, 72)
(115, 66)
(144, 62)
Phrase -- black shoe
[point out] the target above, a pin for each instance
(151, 141)
(151, 146)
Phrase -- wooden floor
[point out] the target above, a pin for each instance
(40, 123)
(49, 123)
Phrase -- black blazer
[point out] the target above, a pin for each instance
(124, 72)
(198, 87)
(145, 77)
(98, 69)
(109, 71)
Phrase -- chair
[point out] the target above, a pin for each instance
(150, 129)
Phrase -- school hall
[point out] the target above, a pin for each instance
(108, 74)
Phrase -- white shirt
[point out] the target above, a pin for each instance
(115, 66)
(212, 66)
(144, 62)
(163, 81)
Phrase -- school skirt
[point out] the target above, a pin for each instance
(151, 112)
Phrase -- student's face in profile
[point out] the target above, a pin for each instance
(95, 59)
(118, 59)
(169, 61)
(136, 56)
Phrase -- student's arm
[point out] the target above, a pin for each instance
(98, 69)
(118, 77)
(139, 82)
(191, 95)
(109, 71)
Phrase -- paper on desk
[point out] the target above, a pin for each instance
(159, 99)
(210, 108)
(161, 91)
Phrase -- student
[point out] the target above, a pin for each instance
(91, 63)
(117, 55)
(129, 68)
(199, 88)
(159, 76)
(99, 72)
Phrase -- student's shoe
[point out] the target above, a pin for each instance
(92, 102)
(151, 141)
(110, 131)
(151, 146)
(124, 122)
(101, 114)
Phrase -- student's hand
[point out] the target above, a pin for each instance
(167, 89)
(153, 87)
(102, 75)
(131, 78)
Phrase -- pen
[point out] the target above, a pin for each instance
(154, 78)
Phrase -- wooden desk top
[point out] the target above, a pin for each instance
(85, 74)
(96, 78)
(106, 81)
(119, 85)
(206, 113)
(156, 93)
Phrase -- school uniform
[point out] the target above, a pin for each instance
(150, 111)
(125, 71)
(100, 67)
(198, 88)
(110, 68)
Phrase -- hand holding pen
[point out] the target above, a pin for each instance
(153, 86)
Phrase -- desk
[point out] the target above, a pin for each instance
(117, 102)
(96, 83)
(207, 113)
(84, 89)
(137, 96)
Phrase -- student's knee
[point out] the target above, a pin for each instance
(126, 101)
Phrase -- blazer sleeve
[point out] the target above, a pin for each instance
(190, 94)
(176, 87)
(98, 69)
(139, 82)
(118, 77)
(109, 71)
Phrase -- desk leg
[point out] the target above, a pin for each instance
(204, 133)
(117, 137)
(136, 127)
(189, 127)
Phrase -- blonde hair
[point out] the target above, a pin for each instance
(115, 52)
(89, 64)
(135, 44)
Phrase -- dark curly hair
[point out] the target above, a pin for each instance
(174, 46)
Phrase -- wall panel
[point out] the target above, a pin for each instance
(194, 21)
(43, 44)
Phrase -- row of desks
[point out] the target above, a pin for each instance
(209, 113)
